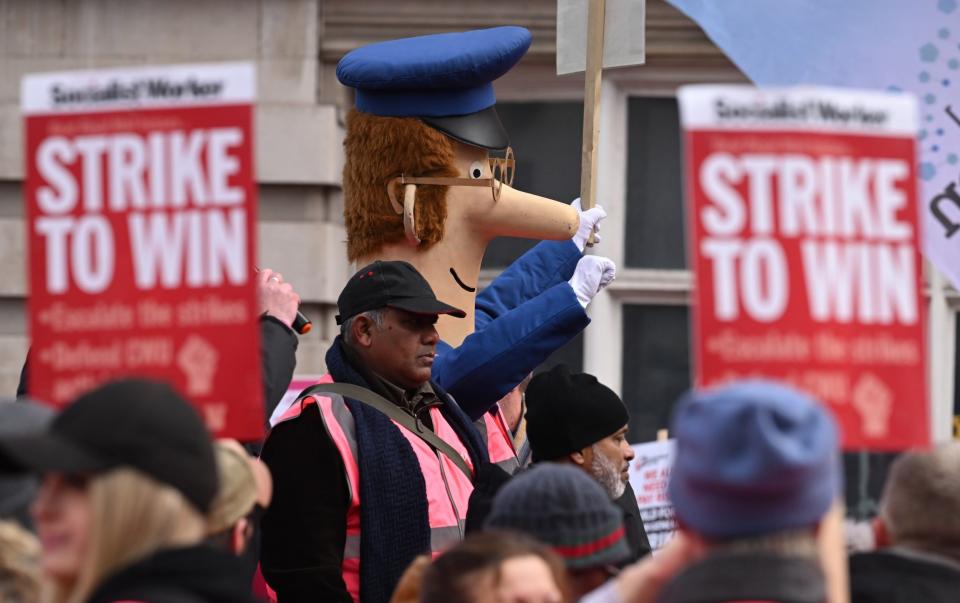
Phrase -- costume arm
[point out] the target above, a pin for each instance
(493, 360)
(547, 264)
(305, 528)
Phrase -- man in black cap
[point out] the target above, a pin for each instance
(357, 494)
(573, 418)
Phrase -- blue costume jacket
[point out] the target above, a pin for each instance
(521, 318)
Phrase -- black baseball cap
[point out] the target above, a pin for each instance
(390, 285)
(136, 423)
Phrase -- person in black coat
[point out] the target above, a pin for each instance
(918, 532)
(121, 511)
(198, 574)
(573, 418)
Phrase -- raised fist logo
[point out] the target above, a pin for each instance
(874, 401)
(198, 361)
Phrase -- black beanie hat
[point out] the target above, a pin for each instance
(567, 412)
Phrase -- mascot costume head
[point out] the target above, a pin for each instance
(428, 164)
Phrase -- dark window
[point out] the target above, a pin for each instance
(546, 142)
(570, 354)
(654, 236)
(656, 366)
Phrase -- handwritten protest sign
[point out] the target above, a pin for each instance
(804, 240)
(141, 212)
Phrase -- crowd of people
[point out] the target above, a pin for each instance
(448, 470)
(375, 485)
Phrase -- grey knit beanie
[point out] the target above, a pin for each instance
(564, 508)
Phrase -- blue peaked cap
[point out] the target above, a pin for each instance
(753, 457)
(439, 76)
(436, 75)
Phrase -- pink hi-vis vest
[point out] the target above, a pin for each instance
(448, 489)
(493, 429)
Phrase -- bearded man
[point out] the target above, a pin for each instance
(573, 418)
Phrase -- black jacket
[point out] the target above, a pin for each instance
(902, 577)
(304, 530)
(278, 353)
(633, 525)
(199, 574)
(748, 577)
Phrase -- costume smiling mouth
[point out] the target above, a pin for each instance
(462, 284)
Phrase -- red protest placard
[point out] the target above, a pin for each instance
(141, 216)
(804, 242)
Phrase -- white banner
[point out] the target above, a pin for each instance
(140, 87)
(623, 34)
(649, 475)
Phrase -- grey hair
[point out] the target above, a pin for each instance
(375, 316)
(921, 501)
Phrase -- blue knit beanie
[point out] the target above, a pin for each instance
(565, 509)
(753, 457)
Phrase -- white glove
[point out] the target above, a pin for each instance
(593, 273)
(588, 221)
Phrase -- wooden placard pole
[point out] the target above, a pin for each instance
(591, 102)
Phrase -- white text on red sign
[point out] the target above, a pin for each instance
(202, 244)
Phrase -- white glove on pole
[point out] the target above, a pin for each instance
(593, 273)
(588, 221)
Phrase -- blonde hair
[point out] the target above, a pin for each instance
(19, 564)
(238, 487)
(132, 517)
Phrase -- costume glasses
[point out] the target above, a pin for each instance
(502, 169)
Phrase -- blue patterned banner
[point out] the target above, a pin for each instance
(895, 45)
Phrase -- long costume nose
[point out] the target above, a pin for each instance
(520, 214)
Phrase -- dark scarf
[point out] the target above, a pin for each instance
(394, 522)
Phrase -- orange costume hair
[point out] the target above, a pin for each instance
(377, 150)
